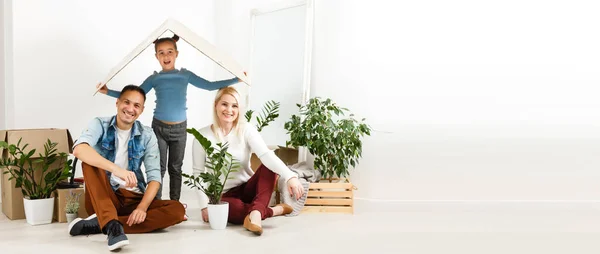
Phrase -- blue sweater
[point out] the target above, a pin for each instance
(171, 92)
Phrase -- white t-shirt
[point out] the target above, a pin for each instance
(122, 157)
(241, 146)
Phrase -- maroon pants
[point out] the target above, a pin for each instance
(252, 195)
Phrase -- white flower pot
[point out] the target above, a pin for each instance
(218, 214)
(71, 217)
(39, 211)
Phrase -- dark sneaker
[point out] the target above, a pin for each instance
(116, 235)
(85, 226)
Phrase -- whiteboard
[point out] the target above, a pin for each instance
(278, 66)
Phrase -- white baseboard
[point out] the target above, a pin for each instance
(379, 205)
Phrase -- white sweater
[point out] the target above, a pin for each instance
(241, 150)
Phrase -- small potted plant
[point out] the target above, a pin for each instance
(72, 206)
(220, 164)
(37, 176)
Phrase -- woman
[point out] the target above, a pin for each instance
(248, 193)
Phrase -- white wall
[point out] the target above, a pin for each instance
(7, 63)
(2, 72)
(473, 100)
(70, 45)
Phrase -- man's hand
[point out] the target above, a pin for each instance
(295, 187)
(136, 217)
(127, 176)
(205, 214)
(103, 90)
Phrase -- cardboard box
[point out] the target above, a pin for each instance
(12, 198)
(289, 156)
(61, 201)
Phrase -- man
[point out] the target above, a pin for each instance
(120, 200)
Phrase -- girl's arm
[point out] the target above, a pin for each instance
(146, 86)
(202, 83)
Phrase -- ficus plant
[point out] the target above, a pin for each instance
(334, 140)
(220, 164)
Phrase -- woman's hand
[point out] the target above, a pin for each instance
(295, 187)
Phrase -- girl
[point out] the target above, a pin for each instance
(248, 193)
(170, 118)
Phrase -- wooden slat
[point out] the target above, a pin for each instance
(328, 201)
(330, 194)
(330, 186)
(328, 209)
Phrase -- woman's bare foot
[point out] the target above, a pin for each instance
(252, 222)
(277, 210)
(256, 218)
(281, 209)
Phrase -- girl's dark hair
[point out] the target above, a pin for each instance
(173, 40)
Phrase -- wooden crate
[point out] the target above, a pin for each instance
(325, 197)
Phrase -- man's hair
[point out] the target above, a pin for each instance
(133, 88)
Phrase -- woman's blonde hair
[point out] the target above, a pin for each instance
(237, 122)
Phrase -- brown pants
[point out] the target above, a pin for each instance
(118, 205)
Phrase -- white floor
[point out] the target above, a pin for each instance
(451, 227)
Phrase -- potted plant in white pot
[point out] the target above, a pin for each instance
(269, 113)
(220, 164)
(72, 206)
(334, 140)
(37, 177)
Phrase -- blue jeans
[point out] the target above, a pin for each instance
(171, 143)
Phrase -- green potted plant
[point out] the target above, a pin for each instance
(72, 206)
(334, 140)
(37, 176)
(220, 164)
(269, 113)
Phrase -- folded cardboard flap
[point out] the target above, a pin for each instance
(12, 198)
(36, 138)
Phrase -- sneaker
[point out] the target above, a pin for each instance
(116, 235)
(85, 226)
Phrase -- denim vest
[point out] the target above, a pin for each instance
(142, 147)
